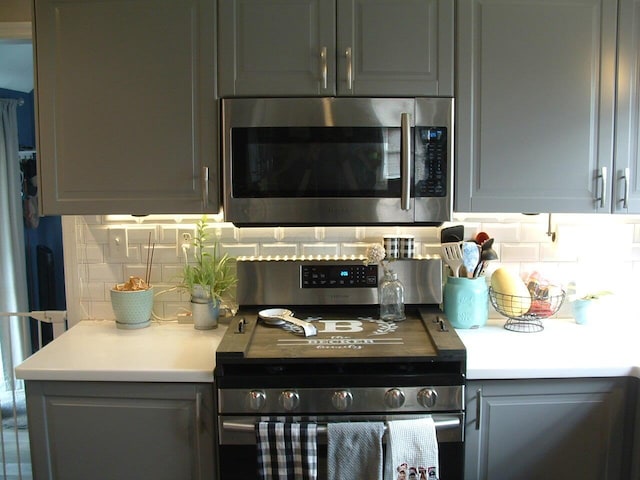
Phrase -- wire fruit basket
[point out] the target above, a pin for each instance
(525, 314)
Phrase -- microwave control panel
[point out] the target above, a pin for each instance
(339, 276)
(431, 162)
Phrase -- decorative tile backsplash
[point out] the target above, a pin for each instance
(593, 251)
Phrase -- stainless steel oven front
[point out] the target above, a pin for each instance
(241, 409)
(337, 161)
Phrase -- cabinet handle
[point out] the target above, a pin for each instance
(205, 187)
(603, 184)
(199, 410)
(625, 200)
(478, 407)
(405, 160)
(349, 68)
(199, 429)
(323, 66)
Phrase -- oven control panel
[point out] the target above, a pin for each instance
(339, 276)
(326, 400)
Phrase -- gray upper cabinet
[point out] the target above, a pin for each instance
(535, 105)
(126, 105)
(276, 48)
(343, 47)
(626, 176)
(533, 429)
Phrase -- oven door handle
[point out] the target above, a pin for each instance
(441, 422)
(405, 161)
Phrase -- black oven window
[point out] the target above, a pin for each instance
(319, 162)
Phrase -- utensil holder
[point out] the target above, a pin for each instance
(466, 302)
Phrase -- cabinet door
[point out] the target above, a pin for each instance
(635, 459)
(281, 48)
(392, 48)
(126, 106)
(532, 429)
(535, 105)
(104, 430)
(626, 177)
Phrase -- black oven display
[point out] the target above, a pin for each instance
(339, 276)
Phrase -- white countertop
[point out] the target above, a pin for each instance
(172, 352)
(609, 348)
(95, 350)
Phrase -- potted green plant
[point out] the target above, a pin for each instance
(207, 278)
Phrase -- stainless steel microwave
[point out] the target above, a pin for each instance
(337, 161)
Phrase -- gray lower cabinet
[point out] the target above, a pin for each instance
(535, 99)
(574, 429)
(126, 106)
(336, 47)
(626, 176)
(112, 430)
(635, 457)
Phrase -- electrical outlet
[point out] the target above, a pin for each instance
(118, 244)
(184, 237)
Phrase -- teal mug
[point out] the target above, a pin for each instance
(466, 302)
(584, 311)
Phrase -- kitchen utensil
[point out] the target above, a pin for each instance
(480, 268)
(452, 234)
(452, 256)
(487, 251)
(481, 237)
(470, 257)
(278, 316)
(488, 243)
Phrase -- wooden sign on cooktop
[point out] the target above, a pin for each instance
(354, 337)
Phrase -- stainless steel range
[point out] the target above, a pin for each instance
(354, 367)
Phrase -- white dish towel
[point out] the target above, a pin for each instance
(412, 450)
(354, 451)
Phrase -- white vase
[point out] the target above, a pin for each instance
(205, 315)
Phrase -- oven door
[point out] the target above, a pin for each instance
(238, 455)
(332, 161)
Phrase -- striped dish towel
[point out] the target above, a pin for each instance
(287, 451)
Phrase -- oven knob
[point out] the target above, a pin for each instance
(427, 397)
(289, 400)
(342, 399)
(394, 398)
(256, 400)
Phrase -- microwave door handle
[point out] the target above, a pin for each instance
(323, 66)
(205, 187)
(405, 160)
